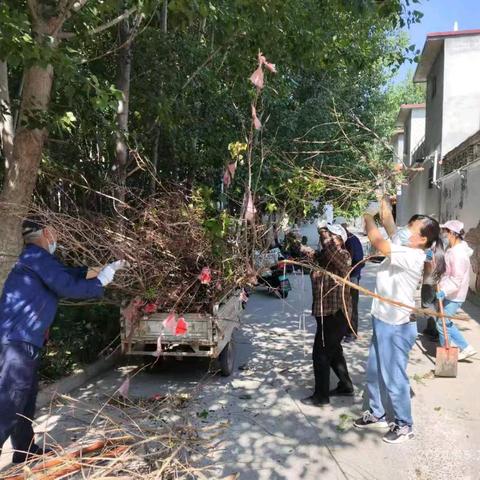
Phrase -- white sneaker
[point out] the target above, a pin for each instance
(368, 420)
(398, 434)
(467, 353)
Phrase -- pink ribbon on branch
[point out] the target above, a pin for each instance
(257, 77)
(256, 122)
(250, 209)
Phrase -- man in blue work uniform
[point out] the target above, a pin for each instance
(27, 309)
(355, 249)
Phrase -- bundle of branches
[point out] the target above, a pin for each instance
(180, 259)
(159, 437)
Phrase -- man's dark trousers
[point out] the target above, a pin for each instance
(19, 362)
(429, 300)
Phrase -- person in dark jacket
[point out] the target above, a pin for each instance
(354, 247)
(27, 309)
(329, 311)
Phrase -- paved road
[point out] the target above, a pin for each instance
(271, 435)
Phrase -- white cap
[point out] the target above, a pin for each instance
(321, 224)
(455, 226)
(335, 229)
(340, 221)
(338, 230)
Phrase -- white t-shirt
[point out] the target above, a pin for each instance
(398, 278)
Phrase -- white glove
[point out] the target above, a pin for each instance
(107, 273)
(373, 208)
(119, 265)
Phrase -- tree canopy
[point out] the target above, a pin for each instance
(190, 95)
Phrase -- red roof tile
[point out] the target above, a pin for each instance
(457, 33)
(412, 105)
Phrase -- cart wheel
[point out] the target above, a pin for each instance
(226, 359)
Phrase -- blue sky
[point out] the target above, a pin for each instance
(439, 16)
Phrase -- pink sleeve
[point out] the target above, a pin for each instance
(457, 268)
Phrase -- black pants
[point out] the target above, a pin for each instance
(328, 353)
(19, 363)
(354, 293)
(428, 297)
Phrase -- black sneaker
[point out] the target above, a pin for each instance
(369, 420)
(34, 453)
(398, 434)
(431, 334)
(341, 392)
(315, 401)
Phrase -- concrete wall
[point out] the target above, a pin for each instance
(414, 128)
(411, 195)
(398, 147)
(461, 200)
(434, 105)
(406, 140)
(417, 197)
(417, 129)
(461, 196)
(309, 229)
(461, 112)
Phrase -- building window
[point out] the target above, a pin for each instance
(434, 87)
(430, 177)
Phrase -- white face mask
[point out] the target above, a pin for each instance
(402, 237)
(445, 241)
(52, 247)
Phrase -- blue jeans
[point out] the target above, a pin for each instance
(387, 369)
(19, 363)
(454, 335)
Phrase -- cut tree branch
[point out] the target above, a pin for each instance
(101, 28)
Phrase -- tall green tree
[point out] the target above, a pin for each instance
(64, 70)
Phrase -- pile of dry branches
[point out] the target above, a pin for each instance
(166, 244)
(161, 437)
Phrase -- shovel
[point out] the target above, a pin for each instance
(446, 361)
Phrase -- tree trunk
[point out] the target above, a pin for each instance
(156, 145)
(164, 17)
(21, 171)
(123, 84)
(6, 119)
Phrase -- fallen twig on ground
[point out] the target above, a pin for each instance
(135, 439)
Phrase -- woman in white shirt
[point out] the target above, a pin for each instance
(394, 333)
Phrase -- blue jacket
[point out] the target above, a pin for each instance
(354, 247)
(31, 292)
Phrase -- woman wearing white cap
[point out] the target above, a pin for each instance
(453, 286)
(330, 308)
